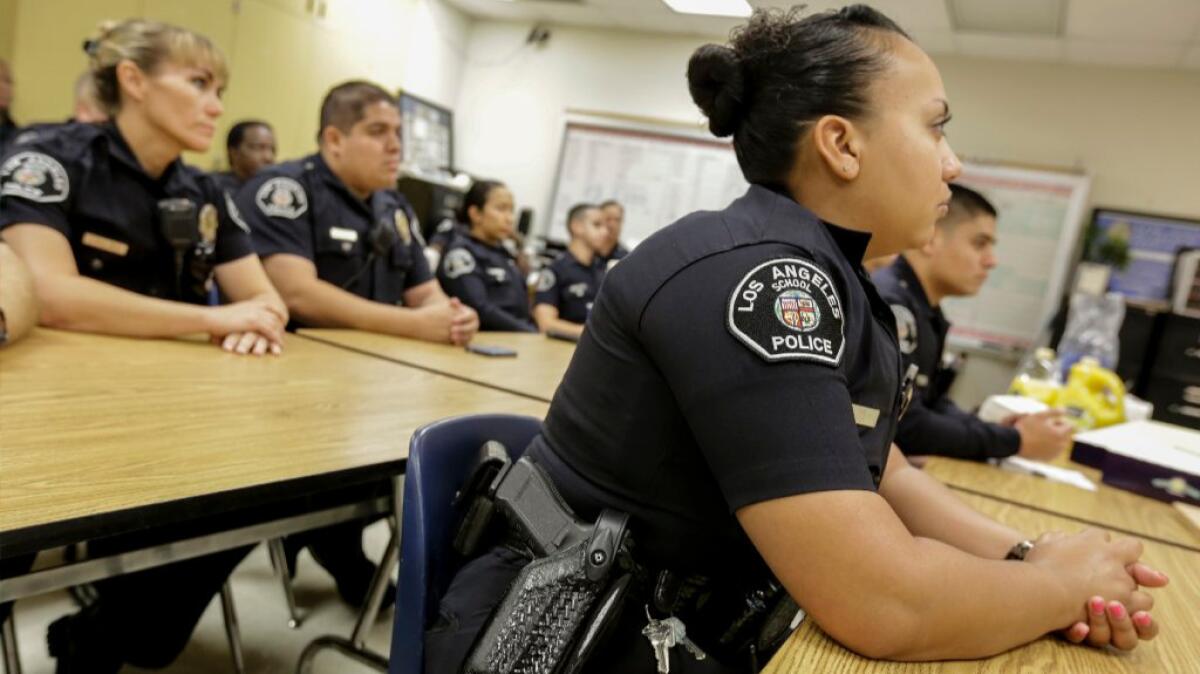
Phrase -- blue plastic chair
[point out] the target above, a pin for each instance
(440, 459)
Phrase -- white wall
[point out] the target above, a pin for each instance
(1134, 130)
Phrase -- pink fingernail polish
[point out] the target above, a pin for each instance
(1098, 606)
(1116, 610)
(1142, 619)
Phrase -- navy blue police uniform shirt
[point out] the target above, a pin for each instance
(302, 208)
(486, 278)
(569, 286)
(83, 181)
(934, 424)
(735, 357)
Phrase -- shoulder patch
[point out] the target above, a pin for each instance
(282, 197)
(906, 328)
(546, 280)
(458, 262)
(34, 176)
(788, 309)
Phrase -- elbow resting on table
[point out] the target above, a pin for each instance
(882, 628)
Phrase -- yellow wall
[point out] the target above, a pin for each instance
(8, 19)
(283, 54)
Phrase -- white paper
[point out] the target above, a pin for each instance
(1052, 473)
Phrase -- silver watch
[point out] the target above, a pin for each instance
(1019, 551)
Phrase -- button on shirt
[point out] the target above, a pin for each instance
(569, 286)
(486, 278)
(934, 424)
(83, 181)
(735, 357)
(302, 208)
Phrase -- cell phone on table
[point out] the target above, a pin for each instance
(491, 350)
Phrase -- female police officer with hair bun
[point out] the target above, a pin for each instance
(123, 238)
(738, 387)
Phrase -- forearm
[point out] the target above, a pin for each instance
(87, 305)
(320, 304)
(547, 319)
(930, 510)
(945, 430)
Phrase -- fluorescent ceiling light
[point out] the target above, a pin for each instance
(739, 8)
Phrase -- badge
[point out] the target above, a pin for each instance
(235, 214)
(402, 226)
(208, 224)
(500, 274)
(457, 263)
(788, 309)
(906, 328)
(34, 176)
(282, 198)
(546, 280)
(577, 289)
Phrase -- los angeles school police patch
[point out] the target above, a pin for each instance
(282, 197)
(788, 309)
(34, 176)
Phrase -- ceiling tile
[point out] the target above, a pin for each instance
(1145, 20)
(1121, 53)
(1010, 47)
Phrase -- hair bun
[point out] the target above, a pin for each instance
(716, 83)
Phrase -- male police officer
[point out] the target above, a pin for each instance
(250, 147)
(344, 250)
(567, 288)
(614, 220)
(955, 262)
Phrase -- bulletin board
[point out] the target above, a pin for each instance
(659, 174)
(1041, 216)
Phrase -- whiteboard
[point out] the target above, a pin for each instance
(1041, 214)
(658, 176)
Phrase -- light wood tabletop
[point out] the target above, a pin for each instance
(1176, 609)
(1108, 506)
(535, 372)
(94, 426)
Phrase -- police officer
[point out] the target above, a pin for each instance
(614, 221)
(479, 270)
(344, 248)
(567, 288)
(738, 386)
(249, 147)
(123, 238)
(955, 262)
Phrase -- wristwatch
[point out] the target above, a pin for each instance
(1019, 551)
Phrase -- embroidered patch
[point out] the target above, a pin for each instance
(457, 263)
(906, 328)
(235, 214)
(546, 280)
(282, 198)
(34, 176)
(788, 309)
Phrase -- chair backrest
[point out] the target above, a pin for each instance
(441, 456)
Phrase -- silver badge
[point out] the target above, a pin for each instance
(906, 328)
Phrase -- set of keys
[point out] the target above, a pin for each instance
(665, 635)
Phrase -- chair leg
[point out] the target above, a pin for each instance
(279, 561)
(231, 628)
(8, 644)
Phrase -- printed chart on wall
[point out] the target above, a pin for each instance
(1041, 216)
(659, 176)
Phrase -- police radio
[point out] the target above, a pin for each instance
(381, 239)
(177, 220)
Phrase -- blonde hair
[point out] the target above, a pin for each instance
(147, 44)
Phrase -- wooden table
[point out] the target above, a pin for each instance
(534, 373)
(1108, 507)
(100, 435)
(1176, 650)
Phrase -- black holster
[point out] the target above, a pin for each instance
(560, 605)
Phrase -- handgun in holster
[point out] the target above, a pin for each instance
(562, 603)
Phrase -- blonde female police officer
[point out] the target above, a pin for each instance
(739, 383)
(123, 238)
